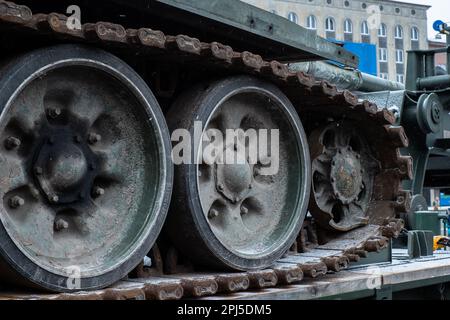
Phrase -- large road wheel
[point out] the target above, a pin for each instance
(231, 215)
(85, 171)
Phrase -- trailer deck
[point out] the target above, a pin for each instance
(379, 281)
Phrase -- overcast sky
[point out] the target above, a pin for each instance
(440, 11)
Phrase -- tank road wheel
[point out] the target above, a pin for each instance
(236, 214)
(85, 171)
(343, 171)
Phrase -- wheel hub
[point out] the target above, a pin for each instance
(346, 176)
(234, 180)
(65, 167)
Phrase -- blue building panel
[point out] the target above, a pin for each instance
(367, 54)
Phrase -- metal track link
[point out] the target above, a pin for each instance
(308, 95)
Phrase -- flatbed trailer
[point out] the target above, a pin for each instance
(424, 278)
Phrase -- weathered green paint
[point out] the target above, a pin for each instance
(254, 29)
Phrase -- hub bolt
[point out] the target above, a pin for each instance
(213, 213)
(244, 210)
(97, 192)
(94, 138)
(54, 112)
(16, 202)
(12, 143)
(61, 224)
(54, 199)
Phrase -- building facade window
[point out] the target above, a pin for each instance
(364, 28)
(414, 34)
(401, 78)
(382, 30)
(348, 26)
(384, 76)
(383, 55)
(293, 17)
(398, 32)
(330, 25)
(399, 56)
(311, 23)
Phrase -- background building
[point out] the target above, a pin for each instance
(394, 27)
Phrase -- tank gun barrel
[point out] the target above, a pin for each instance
(350, 79)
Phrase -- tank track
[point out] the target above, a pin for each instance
(311, 99)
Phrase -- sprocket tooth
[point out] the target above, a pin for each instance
(405, 165)
(398, 136)
(367, 107)
(385, 116)
(403, 203)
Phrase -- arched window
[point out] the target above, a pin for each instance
(311, 22)
(398, 32)
(382, 30)
(414, 34)
(348, 26)
(330, 24)
(293, 17)
(364, 28)
(399, 56)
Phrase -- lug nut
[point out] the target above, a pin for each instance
(54, 112)
(12, 143)
(54, 199)
(220, 187)
(244, 210)
(34, 192)
(61, 224)
(213, 213)
(97, 192)
(94, 138)
(38, 171)
(16, 202)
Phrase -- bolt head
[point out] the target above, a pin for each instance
(94, 138)
(244, 210)
(16, 202)
(333, 180)
(54, 199)
(12, 143)
(98, 191)
(61, 224)
(213, 213)
(358, 156)
(54, 112)
(220, 187)
(77, 139)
